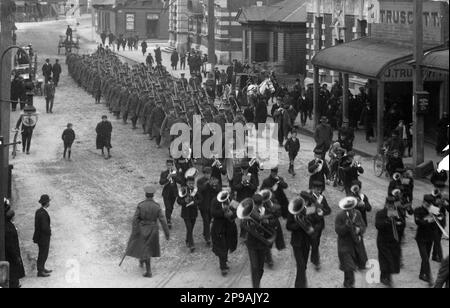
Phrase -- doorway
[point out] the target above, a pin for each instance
(152, 26)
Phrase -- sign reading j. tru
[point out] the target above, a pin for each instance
(402, 13)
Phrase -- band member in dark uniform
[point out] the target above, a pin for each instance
(223, 230)
(318, 169)
(363, 205)
(170, 190)
(254, 166)
(350, 229)
(243, 185)
(389, 225)
(183, 164)
(301, 233)
(208, 189)
(442, 204)
(277, 185)
(217, 170)
(257, 248)
(317, 218)
(189, 199)
(26, 125)
(425, 235)
(352, 169)
(272, 214)
(144, 240)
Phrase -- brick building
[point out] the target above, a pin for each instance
(188, 26)
(275, 35)
(145, 18)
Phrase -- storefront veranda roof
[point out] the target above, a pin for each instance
(365, 57)
(436, 60)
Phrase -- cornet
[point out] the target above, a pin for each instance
(171, 174)
(275, 186)
(216, 163)
(396, 176)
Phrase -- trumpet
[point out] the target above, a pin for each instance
(216, 163)
(171, 175)
(253, 223)
(297, 209)
(246, 180)
(275, 186)
(319, 165)
(254, 161)
(435, 213)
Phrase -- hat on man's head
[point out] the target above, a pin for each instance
(149, 190)
(317, 184)
(318, 151)
(44, 199)
(274, 169)
(390, 200)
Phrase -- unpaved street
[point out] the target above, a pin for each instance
(93, 201)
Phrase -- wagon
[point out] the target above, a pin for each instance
(68, 45)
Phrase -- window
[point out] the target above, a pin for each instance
(275, 46)
(129, 22)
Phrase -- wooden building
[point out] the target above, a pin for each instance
(145, 18)
(275, 35)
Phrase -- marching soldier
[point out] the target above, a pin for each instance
(132, 105)
(156, 119)
(144, 240)
(350, 229)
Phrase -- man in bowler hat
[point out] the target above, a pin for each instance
(42, 235)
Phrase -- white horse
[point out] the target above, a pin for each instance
(264, 89)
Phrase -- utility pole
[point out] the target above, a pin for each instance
(5, 87)
(211, 34)
(418, 119)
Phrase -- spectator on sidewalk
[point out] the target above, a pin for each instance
(124, 43)
(68, 138)
(158, 56)
(346, 136)
(443, 133)
(292, 146)
(111, 39)
(104, 130)
(144, 47)
(49, 93)
(56, 70)
(174, 58)
(42, 235)
(367, 118)
(47, 70)
(103, 38)
(12, 249)
(323, 136)
(136, 42)
(183, 60)
(119, 41)
(149, 60)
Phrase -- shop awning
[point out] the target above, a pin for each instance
(366, 57)
(436, 60)
(103, 2)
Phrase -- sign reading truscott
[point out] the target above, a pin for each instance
(405, 73)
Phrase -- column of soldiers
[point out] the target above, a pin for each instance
(155, 99)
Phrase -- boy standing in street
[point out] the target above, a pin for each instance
(68, 137)
(292, 146)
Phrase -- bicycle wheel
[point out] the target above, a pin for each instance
(378, 165)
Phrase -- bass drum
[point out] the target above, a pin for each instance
(231, 163)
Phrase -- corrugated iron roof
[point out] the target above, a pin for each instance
(437, 60)
(366, 57)
(289, 11)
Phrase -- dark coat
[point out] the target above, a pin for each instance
(68, 136)
(319, 176)
(191, 211)
(56, 69)
(279, 194)
(47, 69)
(389, 250)
(223, 230)
(42, 229)
(299, 238)
(323, 136)
(442, 278)
(104, 130)
(426, 231)
(170, 190)
(292, 147)
(144, 239)
(260, 112)
(243, 191)
(352, 255)
(156, 119)
(12, 252)
(364, 206)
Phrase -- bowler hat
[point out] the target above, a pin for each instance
(317, 184)
(44, 199)
(149, 189)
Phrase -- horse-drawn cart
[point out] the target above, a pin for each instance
(67, 44)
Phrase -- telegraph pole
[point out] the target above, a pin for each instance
(418, 119)
(211, 34)
(5, 86)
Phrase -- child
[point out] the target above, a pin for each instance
(292, 146)
(68, 137)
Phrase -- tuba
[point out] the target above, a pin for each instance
(252, 223)
(182, 192)
(396, 176)
(297, 208)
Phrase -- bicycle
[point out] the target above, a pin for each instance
(15, 143)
